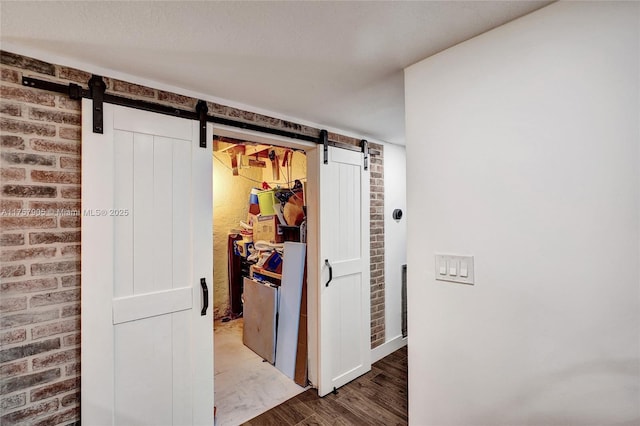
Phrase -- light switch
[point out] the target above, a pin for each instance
(464, 270)
(443, 267)
(455, 268)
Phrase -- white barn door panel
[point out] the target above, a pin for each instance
(344, 314)
(147, 352)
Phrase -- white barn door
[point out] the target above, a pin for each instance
(147, 348)
(344, 314)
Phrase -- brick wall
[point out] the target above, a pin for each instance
(40, 253)
(376, 167)
(40, 236)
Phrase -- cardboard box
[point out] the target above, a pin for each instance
(267, 228)
(251, 218)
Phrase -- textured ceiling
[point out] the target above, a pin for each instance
(337, 64)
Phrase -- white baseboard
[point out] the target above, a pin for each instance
(387, 348)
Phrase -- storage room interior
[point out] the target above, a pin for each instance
(259, 238)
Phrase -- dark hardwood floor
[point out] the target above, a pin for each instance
(377, 398)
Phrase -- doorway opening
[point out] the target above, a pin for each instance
(260, 238)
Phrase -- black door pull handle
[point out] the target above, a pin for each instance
(205, 297)
(326, 262)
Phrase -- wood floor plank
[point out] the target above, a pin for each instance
(391, 398)
(368, 411)
(330, 411)
(269, 418)
(379, 397)
(313, 420)
(294, 411)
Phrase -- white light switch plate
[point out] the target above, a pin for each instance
(455, 263)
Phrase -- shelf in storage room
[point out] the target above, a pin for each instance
(257, 270)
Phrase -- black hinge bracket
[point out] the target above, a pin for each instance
(202, 109)
(365, 150)
(324, 140)
(97, 88)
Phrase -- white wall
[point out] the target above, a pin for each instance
(523, 150)
(395, 237)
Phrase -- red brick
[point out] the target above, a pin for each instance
(378, 244)
(61, 417)
(72, 399)
(41, 114)
(70, 133)
(377, 273)
(28, 350)
(48, 391)
(55, 298)
(54, 207)
(27, 95)
(11, 76)
(267, 121)
(54, 237)
(72, 192)
(14, 110)
(70, 250)
(70, 162)
(54, 177)
(24, 62)
(27, 127)
(71, 340)
(70, 222)
(13, 336)
(176, 99)
(17, 320)
(244, 115)
(58, 358)
(72, 369)
(41, 222)
(71, 311)
(9, 141)
(30, 253)
(46, 145)
(133, 89)
(73, 74)
(13, 369)
(52, 329)
(28, 414)
(12, 174)
(29, 191)
(30, 286)
(286, 124)
(12, 304)
(28, 159)
(13, 401)
(218, 109)
(71, 281)
(11, 240)
(10, 205)
(12, 271)
(66, 103)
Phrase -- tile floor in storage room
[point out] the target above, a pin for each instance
(245, 386)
